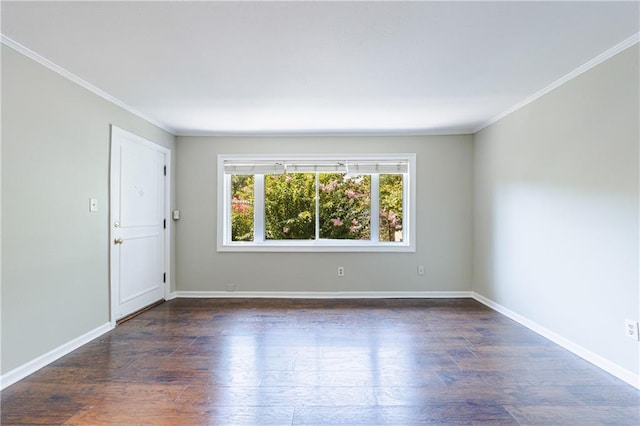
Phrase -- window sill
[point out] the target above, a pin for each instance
(313, 246)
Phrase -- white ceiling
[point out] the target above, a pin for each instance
(320, 67)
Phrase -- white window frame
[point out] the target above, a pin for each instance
(225, 243)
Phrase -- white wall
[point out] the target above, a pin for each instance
(444, 170)
(556, 210)
(55, 156)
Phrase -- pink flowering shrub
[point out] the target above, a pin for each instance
(345, 207)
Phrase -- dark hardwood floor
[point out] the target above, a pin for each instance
(304, 362)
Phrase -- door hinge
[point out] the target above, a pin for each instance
(165, 170)
(164, 224)
(164, 277)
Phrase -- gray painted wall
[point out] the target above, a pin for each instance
(444, 217)
(55, 258)
(556, 210)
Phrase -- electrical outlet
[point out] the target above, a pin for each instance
(631, 329)
(341, 271)
(420, 270)
(231, 287)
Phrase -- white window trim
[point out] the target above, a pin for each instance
(225, 244)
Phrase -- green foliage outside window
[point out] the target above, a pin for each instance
(242, 208)
(344, 207)
(290, 206)
(391, 208)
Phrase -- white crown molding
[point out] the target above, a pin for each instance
(31, 367)
(322, 294)
(595, 359)
(80, 82)
(573, 74)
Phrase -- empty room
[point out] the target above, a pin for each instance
(317, 213)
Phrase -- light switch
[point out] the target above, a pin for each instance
(93, 205)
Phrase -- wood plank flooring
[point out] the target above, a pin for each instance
(320, 362)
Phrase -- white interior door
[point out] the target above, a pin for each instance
(138, 223)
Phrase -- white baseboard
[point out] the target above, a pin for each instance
(595, 359)
(323, 294)
(31, 367)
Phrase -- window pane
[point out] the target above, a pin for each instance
(345, 206)
(290, 207)
(242, 208)
(391, 208)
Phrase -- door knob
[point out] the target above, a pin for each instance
(118, 241)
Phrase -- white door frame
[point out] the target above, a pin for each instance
(114, 180)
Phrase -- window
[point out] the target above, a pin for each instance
(316, 202)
